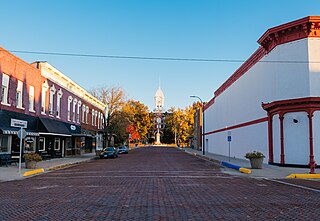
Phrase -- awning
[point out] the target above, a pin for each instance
(52, 127)
(83, 135)
(15, 132)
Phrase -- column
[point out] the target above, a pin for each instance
(312, 163)
(281, 138)
(270, 137)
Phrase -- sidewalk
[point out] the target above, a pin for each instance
(268, 171)
(12, 171)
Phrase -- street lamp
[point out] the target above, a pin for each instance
(203, 124)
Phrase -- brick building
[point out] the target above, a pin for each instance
(63, 118)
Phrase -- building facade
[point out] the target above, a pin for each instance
(62, 118)
(271, 103)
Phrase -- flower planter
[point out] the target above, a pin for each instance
(256, 163)
(31, 164)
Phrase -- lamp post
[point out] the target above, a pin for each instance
(203, 124)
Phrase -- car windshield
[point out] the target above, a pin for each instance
(109, 149)
(122, 147)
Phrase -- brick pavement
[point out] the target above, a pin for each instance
(160, 183)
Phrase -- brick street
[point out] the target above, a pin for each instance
(155, 183)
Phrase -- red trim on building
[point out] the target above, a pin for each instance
(264, 119)
(308, 27)
(207, 105)
(309, 105)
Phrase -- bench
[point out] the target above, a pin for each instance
(5, 159)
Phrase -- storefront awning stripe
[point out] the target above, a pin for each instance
(15, 132)
(55, 134)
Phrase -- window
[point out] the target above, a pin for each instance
(95, 117)
(4, 144)
(19, 94)
(87, 114)
(99, 116)
(78, 111)
(56, 143)
(42, 144)
(83, 112)
(30, 144)
(4, 89)
(75, 101)
(31, 99)
(51, 96)
(45, 88)
(69, 108)
(59, 102)
(92, 118)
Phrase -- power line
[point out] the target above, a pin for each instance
(155, 58)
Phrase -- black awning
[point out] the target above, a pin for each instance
(52, 127)
(7, 116)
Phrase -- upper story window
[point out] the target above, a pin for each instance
(59, 96)
(69, 107)
(87, 114)
(19, 94)
(75, 101)
(99, 116)
(51, 97)
(45, 88)
(78, 111)
(83, 112)
(95, 118)
(31, 99)
(92, 117)
(4, 89)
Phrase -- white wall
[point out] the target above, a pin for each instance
(276, 138)
(264, 82)
(314, 68)
(296, 138)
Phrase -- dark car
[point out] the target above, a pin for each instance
(123, 150)
(109, 152)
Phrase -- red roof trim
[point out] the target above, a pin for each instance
(292, 31)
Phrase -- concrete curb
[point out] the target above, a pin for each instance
(70, 164)
(33, 172)
(235, 167)
(303, 176)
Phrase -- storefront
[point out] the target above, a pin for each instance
(9, 141)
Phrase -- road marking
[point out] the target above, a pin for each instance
(294, 185)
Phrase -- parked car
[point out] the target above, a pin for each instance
(109, 152)
(123, 150)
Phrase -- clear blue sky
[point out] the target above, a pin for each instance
(209, 29)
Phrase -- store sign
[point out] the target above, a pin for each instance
(29, 140)
(19, 123)
(72, 127)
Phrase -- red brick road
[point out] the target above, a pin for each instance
(153, 184)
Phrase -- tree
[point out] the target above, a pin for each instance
(114, 98)
(139, 118)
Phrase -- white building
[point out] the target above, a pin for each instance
(272, 102)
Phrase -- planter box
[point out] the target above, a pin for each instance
(31, 164)
(256, 163)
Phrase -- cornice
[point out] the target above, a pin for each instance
(308, 27)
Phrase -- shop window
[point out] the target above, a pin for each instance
(42, 144)
(4, 89)
(56, 143)
(31, 99)
(30, 144)
(19, 94)
(4, 143)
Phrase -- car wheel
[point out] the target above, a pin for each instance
(101, 157)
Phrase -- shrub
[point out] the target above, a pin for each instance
(32, 157)
(254, 154)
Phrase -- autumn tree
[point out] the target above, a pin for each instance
(114, 98)
(139, 118)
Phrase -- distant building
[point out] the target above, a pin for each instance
(62, 118)
(272, 102)
(158, 116)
